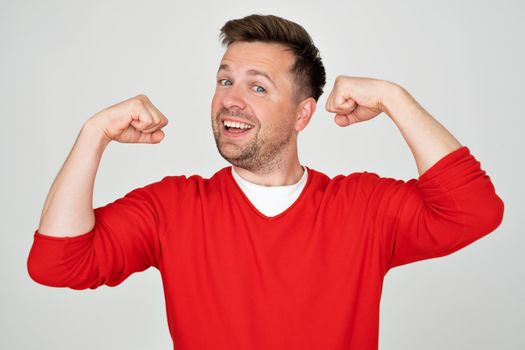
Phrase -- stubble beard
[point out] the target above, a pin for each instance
(262, 154)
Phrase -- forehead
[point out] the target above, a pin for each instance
(270, 57)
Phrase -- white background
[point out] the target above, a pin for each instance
(62, 61)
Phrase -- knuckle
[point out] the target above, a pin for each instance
(137, 102)
(142, 99)
(340, 78)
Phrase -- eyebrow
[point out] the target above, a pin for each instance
(251, 72)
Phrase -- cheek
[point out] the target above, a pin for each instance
(279, 116)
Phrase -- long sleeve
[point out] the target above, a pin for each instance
(124, 240)
(448, 207)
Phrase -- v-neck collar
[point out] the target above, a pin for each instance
(254, 208)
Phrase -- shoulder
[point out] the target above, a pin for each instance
(184, 183)
(340, 184)
(361, 184)
(340, 180)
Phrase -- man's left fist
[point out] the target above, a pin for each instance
(355, 99)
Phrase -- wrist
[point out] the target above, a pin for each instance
(397, 101)
(95, 131)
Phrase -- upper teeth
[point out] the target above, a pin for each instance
(237, 125)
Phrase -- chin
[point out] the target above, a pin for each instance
(235, 157)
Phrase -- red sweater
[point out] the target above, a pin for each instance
(308, 278)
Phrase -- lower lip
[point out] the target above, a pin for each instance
(235, 134)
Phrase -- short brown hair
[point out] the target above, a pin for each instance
(308, 68)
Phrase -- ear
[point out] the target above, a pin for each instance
(305, 111)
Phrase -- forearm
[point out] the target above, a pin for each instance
(428, 140)
(68, 209)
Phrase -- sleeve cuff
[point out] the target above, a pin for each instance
(80, 237)
(456, 160)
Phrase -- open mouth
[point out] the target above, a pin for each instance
(236, 129)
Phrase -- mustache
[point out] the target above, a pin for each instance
(236, 113)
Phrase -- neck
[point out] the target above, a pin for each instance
(283, 172)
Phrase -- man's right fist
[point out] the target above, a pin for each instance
(135, 120)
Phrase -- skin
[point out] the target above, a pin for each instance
(355, 100)
(68, 209)
(267, 155)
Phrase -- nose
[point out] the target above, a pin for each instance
(233, 97)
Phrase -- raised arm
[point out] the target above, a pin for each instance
(68, 209)
(451, 204)
(80, 247)
(356, 99)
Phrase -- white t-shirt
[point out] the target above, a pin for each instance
(271, 200)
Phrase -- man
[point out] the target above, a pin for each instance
(267, 253)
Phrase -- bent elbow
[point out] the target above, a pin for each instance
(41, 271)
(485, 217)
(62, 261)
(494, 214)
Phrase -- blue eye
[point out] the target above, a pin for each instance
(261, 88)
(221, 80)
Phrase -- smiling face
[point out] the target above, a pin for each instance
(255, 86)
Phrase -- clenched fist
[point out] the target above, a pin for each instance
(356, 99)
(135, 120)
